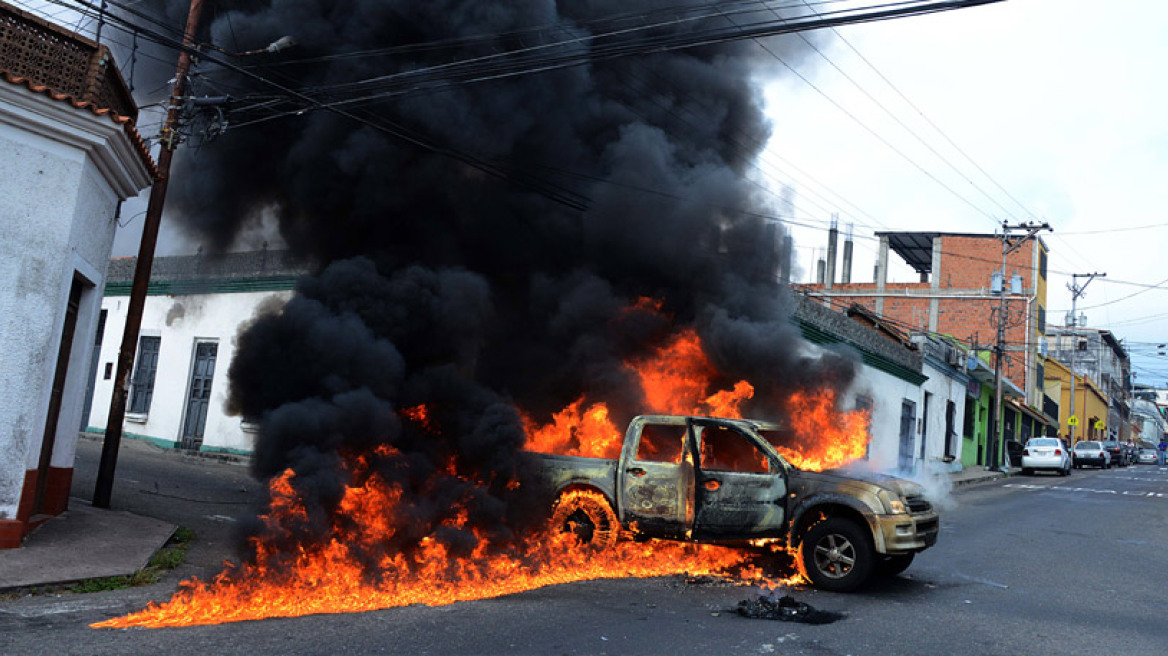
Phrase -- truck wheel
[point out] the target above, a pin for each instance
(836, 554)
(890, 566)
(588, 515)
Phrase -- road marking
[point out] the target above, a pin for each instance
(1134, 478)
(976, 579)
(1088, 490)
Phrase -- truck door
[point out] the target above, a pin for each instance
(656, 480)
(740, 490)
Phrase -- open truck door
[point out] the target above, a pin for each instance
(740, 489)
(656, 477)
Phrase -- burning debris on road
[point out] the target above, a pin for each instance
(456, 316)
(769, 606)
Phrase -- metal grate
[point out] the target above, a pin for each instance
(64, 62)
(918, 505)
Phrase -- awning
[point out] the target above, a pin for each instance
(985, 374)
(1040, 417)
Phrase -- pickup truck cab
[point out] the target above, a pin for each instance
(707, 479)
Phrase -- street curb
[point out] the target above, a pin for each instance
(175, 452)
(977, 480)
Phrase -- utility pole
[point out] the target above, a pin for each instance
(1008, 247)
(1076, 292)
(117, 412)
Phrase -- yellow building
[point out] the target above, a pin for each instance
(1090, 404)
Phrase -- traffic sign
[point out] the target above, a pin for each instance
(1073, 420)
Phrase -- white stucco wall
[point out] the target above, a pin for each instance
(57, 212)
(943, 387)
(887, 393)
(181, 322)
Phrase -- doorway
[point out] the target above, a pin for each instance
(199, 396)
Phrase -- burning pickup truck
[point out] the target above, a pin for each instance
(704, 479)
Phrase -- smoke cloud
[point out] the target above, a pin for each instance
(478, 293)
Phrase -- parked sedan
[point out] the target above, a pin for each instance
(1045, 453)
(1117, 451)
(1147, 457)
(1090, 453)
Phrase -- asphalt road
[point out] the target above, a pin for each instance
(1026, 565)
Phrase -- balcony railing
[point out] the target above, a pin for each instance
(62, 61)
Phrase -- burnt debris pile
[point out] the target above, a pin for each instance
(785, 608)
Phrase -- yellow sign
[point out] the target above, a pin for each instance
(1100, 425)
(1073, 420)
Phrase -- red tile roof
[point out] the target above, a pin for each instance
(126, 122)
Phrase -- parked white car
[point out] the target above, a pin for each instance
(1091, 453)
(1046, 453)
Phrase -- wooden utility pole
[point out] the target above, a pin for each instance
(1076, 292)
(117, 412)
(995, 437)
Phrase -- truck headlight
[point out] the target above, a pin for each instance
(893, 504)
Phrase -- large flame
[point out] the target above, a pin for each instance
(326, 577)
(678, 379)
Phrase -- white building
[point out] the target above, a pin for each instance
(69, 155)
(943, 399)
(195, 306)
(916, 399)
(1148, 420)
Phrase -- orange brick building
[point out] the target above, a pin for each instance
(957, 296)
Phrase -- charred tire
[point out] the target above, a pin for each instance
(589, 516)
(890, 566)
(836, 554)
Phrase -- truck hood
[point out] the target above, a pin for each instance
(844, 475)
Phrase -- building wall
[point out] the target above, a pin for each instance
(944, 385)
(1151, 424)
(181, 322)
(974, 441)
(55, 216)
(886, 392)
(965, 305)
(58, 215)
(1089, 402)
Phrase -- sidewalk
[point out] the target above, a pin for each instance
(83, 543)
(976, 475)
(87, 542)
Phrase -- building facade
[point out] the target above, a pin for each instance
(195, 307)
(914, 395)
(962, 292)
(1099, 356)
(1091, 405)
(71, 156)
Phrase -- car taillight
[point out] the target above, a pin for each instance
(1025, 452)
(1058, 452)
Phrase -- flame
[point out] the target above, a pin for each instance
(325, 578)
(820, 437)
(576, 432)
(677, 379)
(287, 578)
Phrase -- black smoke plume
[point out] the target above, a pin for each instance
(490, 270)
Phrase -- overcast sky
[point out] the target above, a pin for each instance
(1048, 110)
(1061, 102)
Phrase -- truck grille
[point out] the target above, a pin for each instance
(918, 505)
